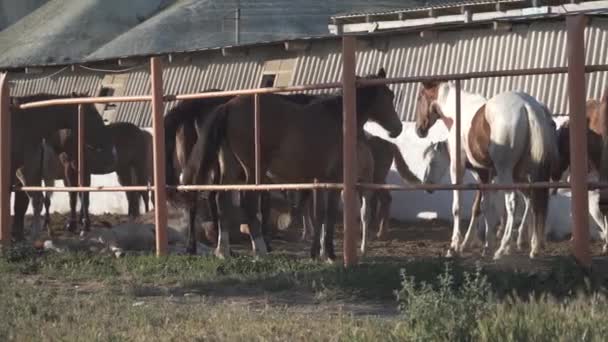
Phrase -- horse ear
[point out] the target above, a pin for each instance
(382, 73)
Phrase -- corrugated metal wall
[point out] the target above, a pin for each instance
(62, 82)
(188, 77)
(541, 44)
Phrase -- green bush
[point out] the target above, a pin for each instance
(446, 311)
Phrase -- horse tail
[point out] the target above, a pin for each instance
(211, 130)
(542, 142)
(171, 126)
(148, 172)
(401, 165)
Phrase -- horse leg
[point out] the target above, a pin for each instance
(456, 236)
(522, 234)
(384, 200)
(471, 231)
(264, 211)
(330, 215)
(505, 245)
(20, 207)
(47, 209)
(84, 205)
(318, 217)
(254, 218)
(223, 203)
(599, 218)
(69, 178)
(540, 203)
(366, 215)
(191, 249)
(605, 234)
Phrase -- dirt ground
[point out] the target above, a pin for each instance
(404, 240)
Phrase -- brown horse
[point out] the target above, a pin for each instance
(595, 110)
(133, 166)
(385, 153)
(300, 143)
(28, 129)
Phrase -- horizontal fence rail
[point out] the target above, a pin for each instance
(312, 186)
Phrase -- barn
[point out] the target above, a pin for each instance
(247, 44)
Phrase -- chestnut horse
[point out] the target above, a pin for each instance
(28, 129)
(133, 166)
(510, 134)
(301, 143)
(594, 112)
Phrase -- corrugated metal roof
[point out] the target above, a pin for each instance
(75, 31)
(66, 31)
(540, 44)
(427, 5)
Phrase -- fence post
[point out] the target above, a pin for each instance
(158, 127)
(349, 143)
(5, 159)
(458, 134)
(578, 139)
(81, 145)
(256, 124)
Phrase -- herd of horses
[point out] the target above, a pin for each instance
(508, 138)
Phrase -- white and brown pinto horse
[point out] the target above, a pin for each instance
(511, 134)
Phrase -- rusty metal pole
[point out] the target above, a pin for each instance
(349, 143)
(578, 139)
(158, 127)
(256, 124)
(5, 167)
(81, 145)
(458, 135)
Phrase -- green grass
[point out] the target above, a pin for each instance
(79, 297)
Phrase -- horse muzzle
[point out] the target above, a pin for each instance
(397, 131)
(422, 132)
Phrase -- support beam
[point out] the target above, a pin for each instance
(256, 125)
(5, 166)
(81, 146)
(158, 127)
(349, 144)
(578, 138)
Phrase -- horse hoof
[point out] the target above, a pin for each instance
(533, 254)
(221, 254)
(71, 227)
(451, 253)
(381, 236)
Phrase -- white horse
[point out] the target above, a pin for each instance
(510, 134)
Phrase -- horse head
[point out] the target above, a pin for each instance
(376, 103)
(427, 110)
(97, 138)
(436, 161)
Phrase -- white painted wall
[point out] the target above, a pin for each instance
(407, 205)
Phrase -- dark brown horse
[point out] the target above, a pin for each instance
(300, 143)
(596, 112)
(28, 129)
(133, 166)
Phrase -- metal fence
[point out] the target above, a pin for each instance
(578, 181)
